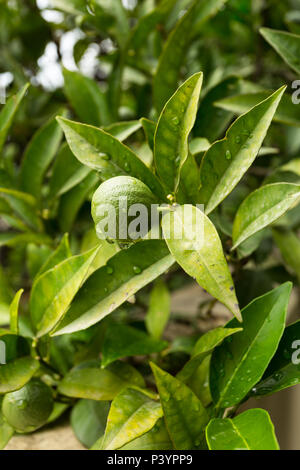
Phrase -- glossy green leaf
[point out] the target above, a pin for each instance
(100, 384)
(105, 251)
(203, 348)
(8, 113)
(4, 314)
(17, 238)
(289, 245)
(117, 10)
(57, 412)
(15, 374)
(149, 129)
(67, 172)
(184, 414)
(111, 285)
(14, 312)
(199, 382)
(36, 257)
(22, 204)
(159, 309)
(88, 420)
(122, 130)
(171, 60)
(261, 208)
(15, 346)
(87, 99)
(194, 242)
(251, 430)
(287, 173)
(212, 123)
(71, 202)
(172, 132)
(132, 414)
(155, 439)
(38, 155)
(189, 181)
(102, 152)
(122, 341)
(284, 369)
(146, 24)
(6, 431)
(198, 145)
(286, 44)
(239, 363)
(252, 243)
(227, 160)
(286, 113)
(57, 256)
(54, 290)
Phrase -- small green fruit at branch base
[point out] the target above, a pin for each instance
(29, 408)
(121, 209)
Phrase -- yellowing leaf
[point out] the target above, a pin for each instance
(184, 414)
(132, 414)
(195, 244)
(54, 290)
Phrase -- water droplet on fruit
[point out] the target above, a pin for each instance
(137, 269)
(278, 376)
(237, 139)
(22, 404)
(228, 155)
(175, 120)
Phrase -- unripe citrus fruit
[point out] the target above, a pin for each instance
(29, 408)
(113, 208)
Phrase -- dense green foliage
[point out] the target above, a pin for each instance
(182, 103)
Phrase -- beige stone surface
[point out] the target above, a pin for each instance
(54, 437)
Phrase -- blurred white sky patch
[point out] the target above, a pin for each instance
(89, 61)
(67, 43)
(43, 4)
(50, 74)
(129, 4)
(6, 79)
(53, 16)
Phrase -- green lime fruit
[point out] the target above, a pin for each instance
(29, 408)
(115, 211)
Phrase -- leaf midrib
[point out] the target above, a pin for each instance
(240, 435)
